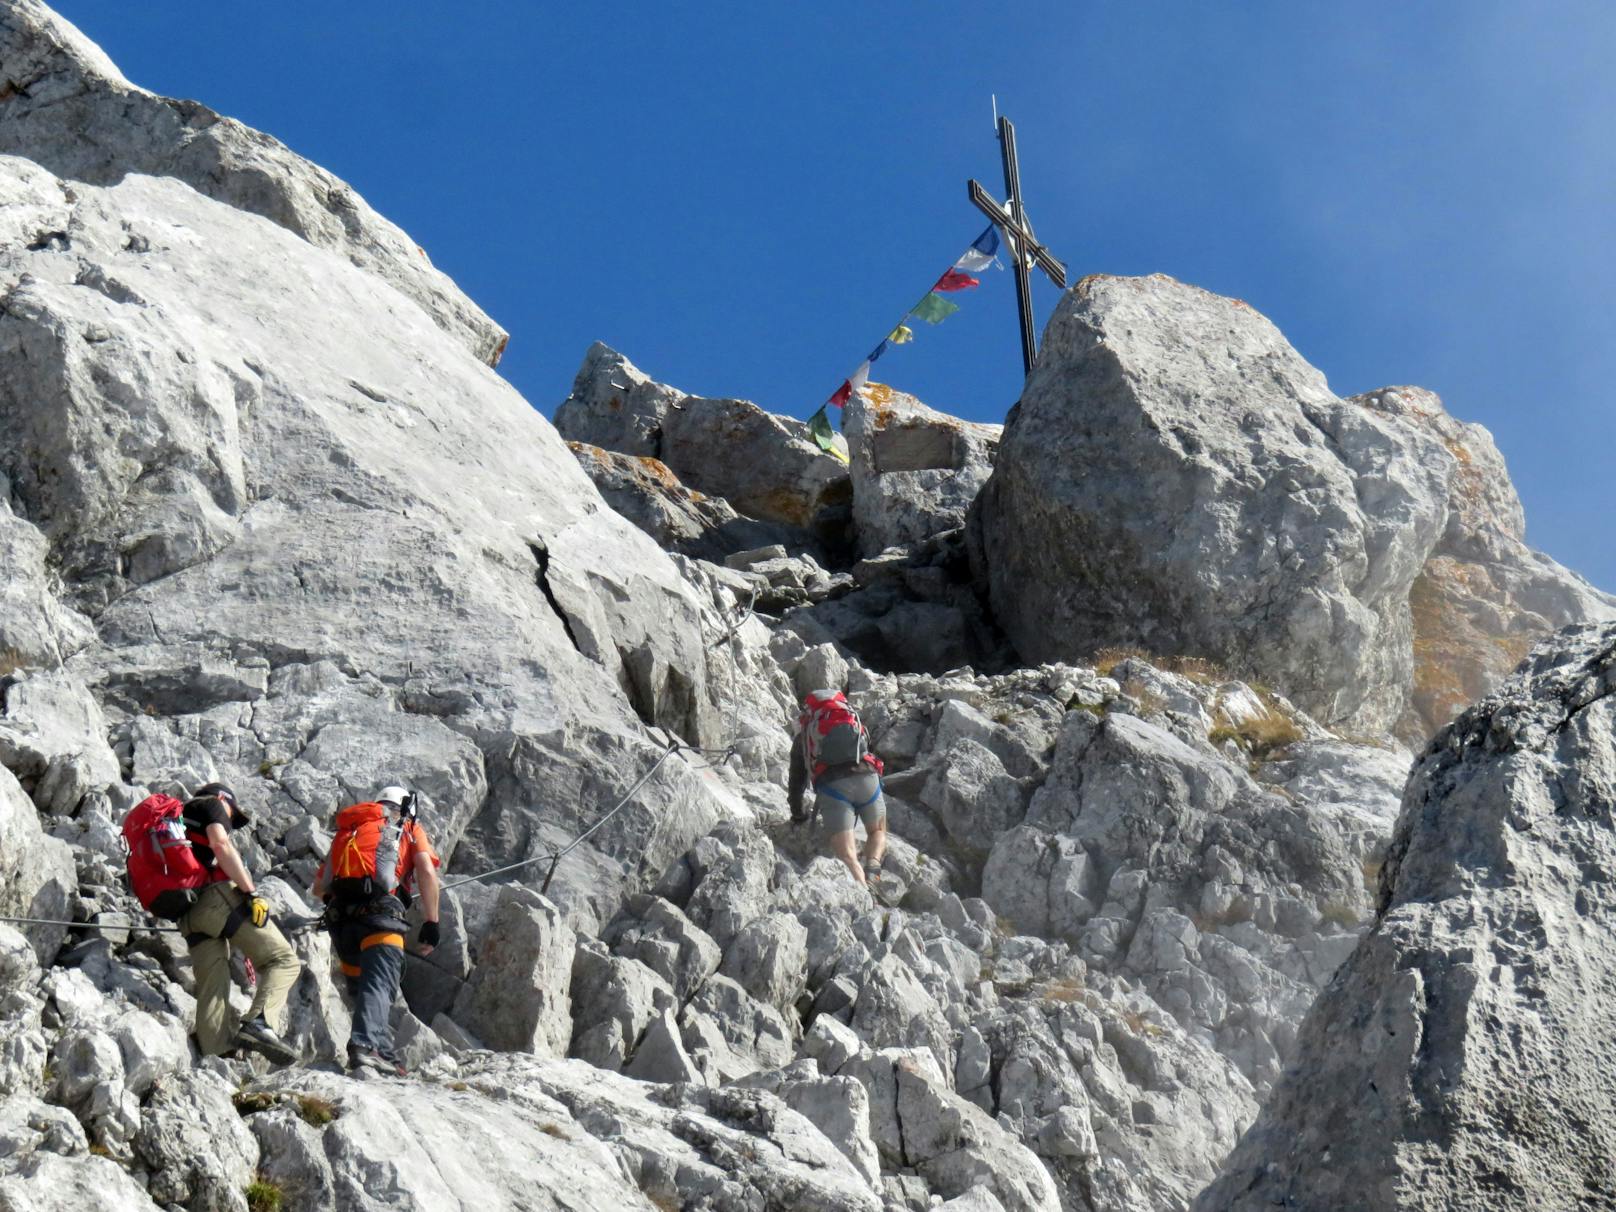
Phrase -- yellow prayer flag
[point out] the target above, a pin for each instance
(901, 335)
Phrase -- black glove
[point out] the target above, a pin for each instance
(429, 934)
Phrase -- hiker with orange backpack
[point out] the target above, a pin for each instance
(830, 756)
(378, 855)
(184, 867)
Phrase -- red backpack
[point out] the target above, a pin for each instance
(163, 869)
(833, 734)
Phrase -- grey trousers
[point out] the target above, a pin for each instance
(371, 956)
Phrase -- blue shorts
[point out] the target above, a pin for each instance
(838, 801)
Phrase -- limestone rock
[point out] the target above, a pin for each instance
(1177, 478)
(209, 436)
(35, 627)
(201, 1153)
(80, 118)
(37, 878)
(518, 995)
(1461, 1056)
(646, 492)
(915, 470)
(1484, 597)
(765, 466)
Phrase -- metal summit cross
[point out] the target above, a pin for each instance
(1011, 219)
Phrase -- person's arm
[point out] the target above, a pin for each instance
(426, 883)
(319, 888)
(229, 858)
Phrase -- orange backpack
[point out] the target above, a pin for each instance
(368, 855)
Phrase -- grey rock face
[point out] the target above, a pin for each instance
(915, 470)
(37, 878)
(207, 437)
(518, 996)
(1177, 478)
(1484, 597)
(76, 115)
(646, 492)
(1461, 1057)
(766, 466)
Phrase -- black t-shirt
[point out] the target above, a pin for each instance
(198, 815)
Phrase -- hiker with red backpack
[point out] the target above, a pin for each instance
(830, 756)
(184, 867)
(378, 856)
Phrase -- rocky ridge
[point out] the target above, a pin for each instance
(1117, 882)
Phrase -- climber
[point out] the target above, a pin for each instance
(379, 854)
(228, 912)
(830, 756)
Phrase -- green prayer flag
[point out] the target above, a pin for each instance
(934, 309)
(819, 428)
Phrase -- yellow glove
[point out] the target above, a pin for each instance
(258, 910)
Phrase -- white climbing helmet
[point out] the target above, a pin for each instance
(396, 796)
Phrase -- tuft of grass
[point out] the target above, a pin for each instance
(1065, 990)
(1139, 1026)
(556, 1130)
(250, 1102)
(1339, 914)
(1196, 669)
(10, 661)
(1262, 736)
(264, 1195)
(315, 1111)
(101, 1150)
(458, 1086)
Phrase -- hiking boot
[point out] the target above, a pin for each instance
(369, 1058)
(254, 1033)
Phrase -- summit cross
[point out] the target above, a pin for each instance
(1011, 219)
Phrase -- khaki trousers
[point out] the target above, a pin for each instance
(272, 956)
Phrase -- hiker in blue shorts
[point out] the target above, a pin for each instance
(831, 757)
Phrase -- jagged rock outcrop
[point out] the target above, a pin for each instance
(1177, 478)
(66, 107)
(765, 466)
(915, 470)
(1484, 598)
(272, 522)
(193, 452)
(1462, 1056)
(647, 493)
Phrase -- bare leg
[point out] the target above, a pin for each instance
(843, 846)
(875, 845)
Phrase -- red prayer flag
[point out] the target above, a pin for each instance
(956, 280)
(842, 394)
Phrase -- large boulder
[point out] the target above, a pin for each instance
(1484, 597)
(70, 109)
(1177, 478)
(518, 998)
(915, 470)
(201, 407)
(764, 465)
(37, 877)
(1462, 1056)
(646, 492)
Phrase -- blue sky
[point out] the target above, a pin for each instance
(744, 197)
